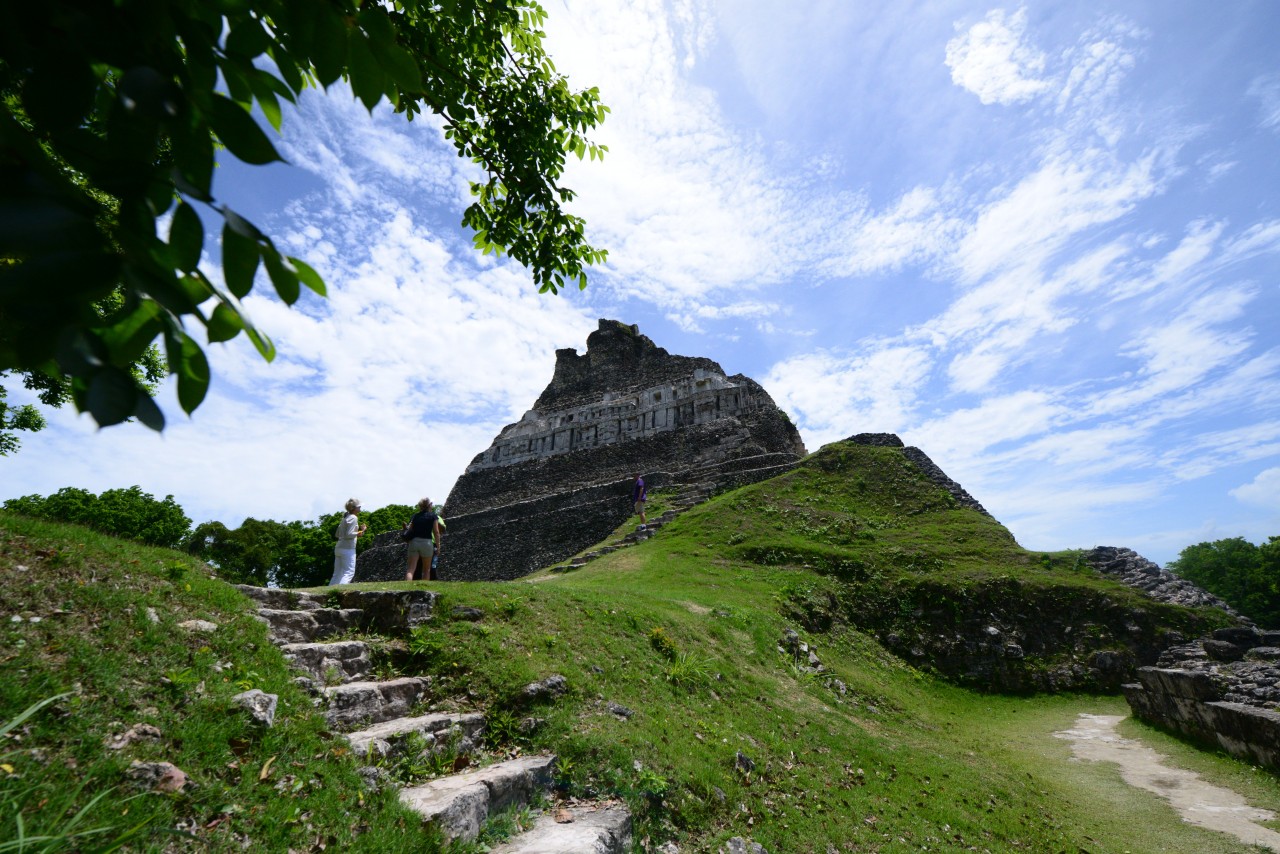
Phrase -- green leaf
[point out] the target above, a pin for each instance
(240, 225)
(225, 323)
(129, 336)
(397, 62)
(188, 361)
(240, 133)
(283, 276)
(262, 343)
(239, 261)
(308, 276)
(148, 413)
(288, 69)
(186, 237)
(367, 77)
(193, 164)
(247, 38)
(112, 396)
(196, 289)
(266, 97)
(329, 51)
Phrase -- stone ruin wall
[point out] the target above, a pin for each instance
(703, 398)
(559, 480)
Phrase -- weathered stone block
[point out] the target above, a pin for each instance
(1221, 650)
(391, 612)
(1190, 684)
(459, 804)
(340, 661)
(307, 626)
(373, 702)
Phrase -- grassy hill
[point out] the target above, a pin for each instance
(731, 731)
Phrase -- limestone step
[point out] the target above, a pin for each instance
(358, 703)
(329, 663)
(282, 599)
(578, 829)
(390, 736)
(309, 626)
(393, 612)
(459, 804)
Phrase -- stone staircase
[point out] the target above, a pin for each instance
(378, 720)
(690, 495)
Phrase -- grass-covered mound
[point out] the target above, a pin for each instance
(944, 586)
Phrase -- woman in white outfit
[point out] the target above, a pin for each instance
(344, 551)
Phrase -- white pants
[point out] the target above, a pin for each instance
(344, 566)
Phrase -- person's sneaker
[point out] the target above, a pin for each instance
(643, 528)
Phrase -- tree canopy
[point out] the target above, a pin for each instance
(284, 554)
(1245, 576)
(128, 513)
(112, 115)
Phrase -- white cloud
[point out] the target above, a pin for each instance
(1067, 194)
(1266, 89)
(966, 433)
(1263, 490)
(991, 60)
(837, 396)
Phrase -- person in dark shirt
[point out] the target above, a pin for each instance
(423, 530)
(639, 495)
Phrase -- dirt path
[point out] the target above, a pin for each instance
(1094, 739)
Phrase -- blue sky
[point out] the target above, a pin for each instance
(1040, 242)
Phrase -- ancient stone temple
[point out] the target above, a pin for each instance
(559, 479)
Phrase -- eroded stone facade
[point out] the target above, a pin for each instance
(559, 479)
(703, 397)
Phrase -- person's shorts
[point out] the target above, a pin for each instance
(422, 546)
(640, 506)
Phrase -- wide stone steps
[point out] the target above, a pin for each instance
(329, 663)
(459, 804)
(358, 703)
(388, 737)
(578, 829)
(376, 716)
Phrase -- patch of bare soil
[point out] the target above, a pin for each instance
(1094, 739)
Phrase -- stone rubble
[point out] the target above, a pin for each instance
(1133, 569)
(1222, 690)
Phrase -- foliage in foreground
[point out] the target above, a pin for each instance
(111, 115)
(1244, 575)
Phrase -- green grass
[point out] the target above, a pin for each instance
(76, 624)
(730, 736)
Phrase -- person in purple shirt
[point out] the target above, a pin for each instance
(639, 494)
